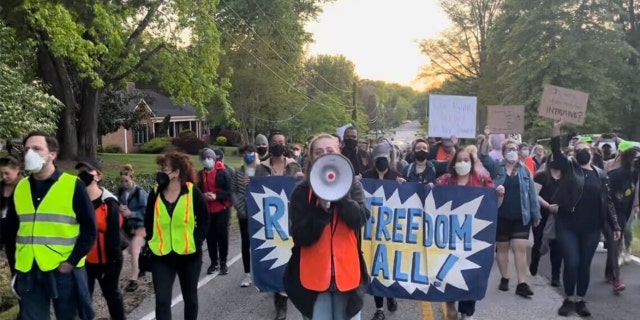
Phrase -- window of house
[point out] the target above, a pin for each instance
(141, 135)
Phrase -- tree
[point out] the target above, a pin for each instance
(85, 47)
(24, 104)
(116, 111)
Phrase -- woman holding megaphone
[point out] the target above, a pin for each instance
(326, 277)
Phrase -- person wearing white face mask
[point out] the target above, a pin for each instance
(56, 227)
(519, 210)
(215, 185)
(461, 172)
(296, 152)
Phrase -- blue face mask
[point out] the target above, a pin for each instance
(208, 163)
(249, 158)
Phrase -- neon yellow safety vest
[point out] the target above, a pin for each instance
(49, 233)
(174, 232)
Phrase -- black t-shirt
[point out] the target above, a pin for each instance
(549, 188)
(586, 216)
(511, 208)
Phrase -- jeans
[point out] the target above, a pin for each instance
(164, 271)
(578, 248)
(612, 268)
(246, 249)
(108, 276)
(218, 236)
(37, 289)
(331, 306)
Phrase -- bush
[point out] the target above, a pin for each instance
(233, 138)
(156, 145)
(98, 148)
(187, 133)
(221, 140)
(145, 180)
(112, 148)
(189, 144)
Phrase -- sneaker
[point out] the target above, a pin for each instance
(524, 290)
(626, 256)
(212, 269)
(567, 307)
(131, 286)
(555, 282)
(451, 311)
(581, 309)
(223, 269)
(504, 284)
(379, 315)
(247, 281)
(618, 286)
(533, 269)
(392, 304)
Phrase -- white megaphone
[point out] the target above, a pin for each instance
(331, 176)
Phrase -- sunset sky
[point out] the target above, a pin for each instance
(380, 36)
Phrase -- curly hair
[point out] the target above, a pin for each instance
(178, 161)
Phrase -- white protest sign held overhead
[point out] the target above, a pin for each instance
(452, 116)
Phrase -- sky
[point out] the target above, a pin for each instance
(380, 36)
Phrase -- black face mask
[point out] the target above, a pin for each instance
(421, 155)
(350, 144)
(382, 164)
(277, 150)
(86, 178)
(583, 156)
(261, 150)
(162, 179)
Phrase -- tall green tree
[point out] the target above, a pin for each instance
(84, 47)
(24, 104)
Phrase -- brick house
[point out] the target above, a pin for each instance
(183, 118)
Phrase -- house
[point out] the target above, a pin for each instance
(155, 108)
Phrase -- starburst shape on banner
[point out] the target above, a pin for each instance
(280, 248)
(454, 277)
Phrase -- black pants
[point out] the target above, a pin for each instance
(164, 271)
(578, 248)
(246, 250)
(554, 251)
(108, 276)
(218, 236)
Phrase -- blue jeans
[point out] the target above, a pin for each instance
(331, 306)
(578, 248)
(37, 289)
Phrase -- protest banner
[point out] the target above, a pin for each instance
(568, 104)
(452, 116)
(420, 243)
(505, 119)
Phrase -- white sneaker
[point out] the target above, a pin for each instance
(247, 281)
(627, 257)
(466, 317)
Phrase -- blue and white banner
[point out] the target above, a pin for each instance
(420, 243)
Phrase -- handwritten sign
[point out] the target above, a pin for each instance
(452, 116)
(558, 102)
(506, 119)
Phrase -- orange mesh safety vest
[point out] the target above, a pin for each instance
(334, 255)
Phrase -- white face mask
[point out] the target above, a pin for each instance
(33, 162)
(511, 156)
(463, 168)
(525, 153)
(296, 153)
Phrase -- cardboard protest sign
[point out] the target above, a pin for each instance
(505, 119)
(568, 104)
(420, 243)
(452, 116)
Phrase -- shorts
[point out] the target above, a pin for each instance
(507, 230)
(131, 225)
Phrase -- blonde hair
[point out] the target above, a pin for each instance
(310, 156)
(127, 170)
(509, 141)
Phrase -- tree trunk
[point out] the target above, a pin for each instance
(53, 72)
(88, 121)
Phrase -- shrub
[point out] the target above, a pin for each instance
(187, 133)
(156, 145)
(233, 138)
(112, 148)
(98, 148)
(189, 144)
(145, 180)
(221, 140)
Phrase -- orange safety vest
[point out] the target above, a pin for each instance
(98, 254)
(335, 255)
